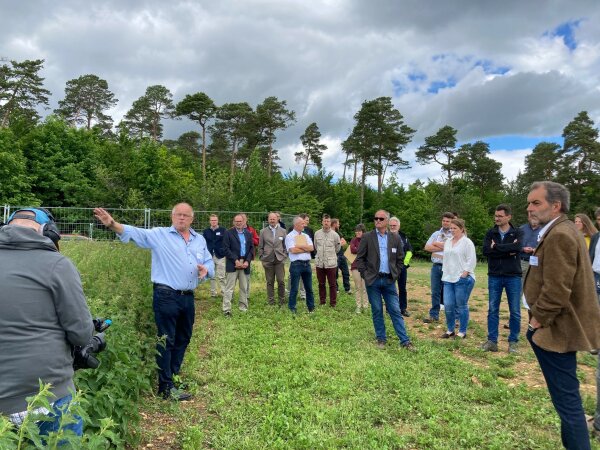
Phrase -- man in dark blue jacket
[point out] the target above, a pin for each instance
(239, 251)
(213, 236)
(502, 246)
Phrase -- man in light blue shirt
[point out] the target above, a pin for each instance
(180, 258)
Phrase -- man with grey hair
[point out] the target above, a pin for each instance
(408, 252)
(299, 246)
(380, 258)
(564, 316)
(272, 254)
(180, 258)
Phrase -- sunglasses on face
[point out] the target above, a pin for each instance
(378, 219)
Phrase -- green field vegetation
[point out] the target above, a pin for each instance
(270, 380)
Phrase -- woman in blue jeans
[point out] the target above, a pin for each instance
(458, 278)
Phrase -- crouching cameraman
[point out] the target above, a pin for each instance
(43, 312)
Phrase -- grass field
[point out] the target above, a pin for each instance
(269, 380)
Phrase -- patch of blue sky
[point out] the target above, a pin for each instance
(417, 76)
(520, 142)
(435, 86)
(566, 31)
(399, 88)
(490, 68)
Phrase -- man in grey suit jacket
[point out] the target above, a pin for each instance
(272, 254)
(379, 261)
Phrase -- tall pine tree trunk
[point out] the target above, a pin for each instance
(203, 152)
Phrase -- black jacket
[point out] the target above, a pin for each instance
(368, 257)
(232, 249)
(214, 241)
(503, 259)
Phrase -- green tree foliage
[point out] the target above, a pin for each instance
(233, 128)
(60, 162)
(21, 90)
(581, 155)
(313, 149)
(199, 108)
(144, 117)
(86, 100)
(14, 179)
(441, 149)
(474, 164)
(272, 115)
(378, 139)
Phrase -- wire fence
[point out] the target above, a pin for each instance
(80, 223)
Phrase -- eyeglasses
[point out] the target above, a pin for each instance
(379, 219)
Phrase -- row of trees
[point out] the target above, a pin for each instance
(76, 157)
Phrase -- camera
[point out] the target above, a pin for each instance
(84, 356)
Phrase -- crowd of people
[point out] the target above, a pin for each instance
(550, 265)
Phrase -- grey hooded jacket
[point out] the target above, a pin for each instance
(42, 311)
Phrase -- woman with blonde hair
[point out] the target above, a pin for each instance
(586, 227)
(362, 301)
(458, 278)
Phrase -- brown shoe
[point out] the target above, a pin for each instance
(409, 347)
(380, 344)
(447, 335)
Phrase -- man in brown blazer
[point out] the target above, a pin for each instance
(564, 314)
(272, 254)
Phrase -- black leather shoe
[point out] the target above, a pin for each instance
(405, 313)
(176, 395)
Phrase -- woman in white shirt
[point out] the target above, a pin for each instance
(458, 278)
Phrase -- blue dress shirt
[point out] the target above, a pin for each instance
(174, 261)
(384, 265)
(242, 238)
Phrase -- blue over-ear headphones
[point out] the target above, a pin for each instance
(43, 217)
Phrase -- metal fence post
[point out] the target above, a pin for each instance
(91, 231)
(147, 218)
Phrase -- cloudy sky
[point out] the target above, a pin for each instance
(511, 73)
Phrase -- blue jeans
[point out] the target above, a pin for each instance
(301, 269)
(385, 288)
(560, 372)
(58, 408)
(456, 298)
(512, 285)
(174, 316)
(402, 294)
(436, 290)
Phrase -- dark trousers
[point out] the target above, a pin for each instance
(343, 267)
(174, 316)
(329, 275)
(560, 372)
(301, 270)
(402, 294)
(275, 269)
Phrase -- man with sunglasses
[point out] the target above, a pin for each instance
(380, 261)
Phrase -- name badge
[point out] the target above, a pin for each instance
(218, 233)
(394, 250)
(533, 261)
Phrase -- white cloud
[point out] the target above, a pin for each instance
(326, 57)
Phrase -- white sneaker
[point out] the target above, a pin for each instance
(442, 308)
